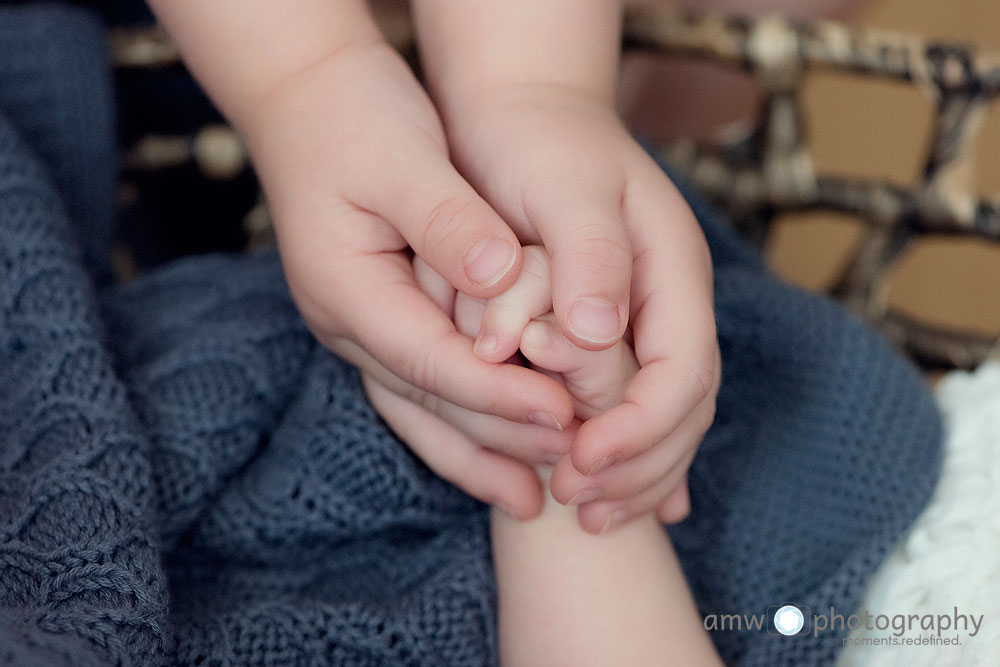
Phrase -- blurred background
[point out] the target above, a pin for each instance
(856, 126)
(188, 187)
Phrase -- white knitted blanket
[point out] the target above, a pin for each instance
(949, 563)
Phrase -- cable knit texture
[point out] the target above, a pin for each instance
(186, 477)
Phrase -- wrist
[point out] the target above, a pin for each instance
(292, 98)
(473, 50)
(467, 107)
(240, 50)
(497, 116)
(306, 133)
(346, 89)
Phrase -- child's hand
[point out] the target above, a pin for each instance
(559, 167)
(355, 166)
(639, 611)
(365, 180)
(526, 91)
(597, 381)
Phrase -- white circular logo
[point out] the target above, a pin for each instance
(788, 620)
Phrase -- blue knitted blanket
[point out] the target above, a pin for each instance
(187, 477)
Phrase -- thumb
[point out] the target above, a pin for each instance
(452, 228)
(591, 256)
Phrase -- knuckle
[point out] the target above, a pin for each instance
(599, 254)
(422, 370)
(444, 222)
(425, 399)
(536, 263)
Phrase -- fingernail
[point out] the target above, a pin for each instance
(536, 334)
(613, 520)
(585, 496)
(490, 261)
(546, 419)
(485, 345)
(594, 320)
(603, 463)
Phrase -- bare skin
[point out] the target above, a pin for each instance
(518, 145)
(565, 596)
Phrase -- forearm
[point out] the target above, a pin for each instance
(569, 597)
(242, 50)
(469, 49)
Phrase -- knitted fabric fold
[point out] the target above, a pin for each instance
(187, 477)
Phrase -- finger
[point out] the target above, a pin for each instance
(595, 379)
(434, 286)
(673, 326)
(508, 313)
(603, 516)
(429, 354)
(619, 481)
(449, 225)
(358, 356)
(469, 314)
(491, 477)
(677, 505)
(660, 394)
(526, 442)
(591, 258)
